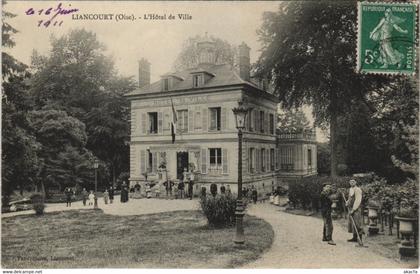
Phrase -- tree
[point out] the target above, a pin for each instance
(293, 120)
(79, 79)
(63, 139)
(188, 57)
(309, 54)
(19, 148)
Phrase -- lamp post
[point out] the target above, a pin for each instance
(240, 113)
(95, 166)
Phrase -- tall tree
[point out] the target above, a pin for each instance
(188, 57)
(78, 78)
(309, 53)
(19, 148)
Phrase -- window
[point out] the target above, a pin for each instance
(263, 159)
(250, 120)
(165, 84)
(309, 158)
(153, 122)
(272, 159)
(215, 118)
(262, 121)
(271, 124)
(251, 160)
(197, 80)
(215, 159)
(182, 122)
(286, 158)
(149, 162)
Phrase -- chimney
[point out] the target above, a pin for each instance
(144, 73)
(243, 61)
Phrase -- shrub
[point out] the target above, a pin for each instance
(38, 203)
(219, 210)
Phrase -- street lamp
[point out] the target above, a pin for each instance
(95, 166)
(240, 113)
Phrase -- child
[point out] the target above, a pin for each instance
(157, 190)
(91, 197)
(106, 196)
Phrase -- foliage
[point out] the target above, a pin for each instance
(309, 54)
(306, 192)
(188, 57)
(77, 78)
(19, 147)
(38, 203)
(293, 121)
(323, 158)
(219, 209)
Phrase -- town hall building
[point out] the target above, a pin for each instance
(206, 140)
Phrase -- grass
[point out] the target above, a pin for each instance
(92, 239)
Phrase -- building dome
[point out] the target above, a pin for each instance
(206, 50)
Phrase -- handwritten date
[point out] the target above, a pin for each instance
(53, 15)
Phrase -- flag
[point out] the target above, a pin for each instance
(174, 120)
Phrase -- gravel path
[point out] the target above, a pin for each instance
(298, 244)
(133, 207)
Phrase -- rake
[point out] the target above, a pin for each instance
(359, 240)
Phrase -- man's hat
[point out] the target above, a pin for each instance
(326, 184)
(353, 181)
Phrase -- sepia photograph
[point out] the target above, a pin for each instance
(171, 135)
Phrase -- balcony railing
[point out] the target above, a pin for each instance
(311, 136)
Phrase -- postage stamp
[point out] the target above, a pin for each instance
(386, 38)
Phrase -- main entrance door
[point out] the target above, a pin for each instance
(181, 163)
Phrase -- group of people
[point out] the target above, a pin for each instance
(186, 180)
(89, 197)
(354, 209)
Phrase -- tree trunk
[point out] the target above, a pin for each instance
(333, 141)
(113, 175)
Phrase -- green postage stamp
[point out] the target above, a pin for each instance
(387, 37)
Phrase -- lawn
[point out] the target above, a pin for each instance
(92, 239)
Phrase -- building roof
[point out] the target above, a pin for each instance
(224, 74)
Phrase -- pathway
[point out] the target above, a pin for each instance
(133, 207)
(298, 244)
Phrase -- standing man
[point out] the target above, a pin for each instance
(190, 185)
(84, 196)
(111, 194)
(69, 193)
(326, 214)
(354, 205)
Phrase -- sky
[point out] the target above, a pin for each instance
(127, 41)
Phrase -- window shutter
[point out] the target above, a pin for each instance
(154, 162)
(133, 123)
(203, 160)
(223, 118)
(160, 123)
(205, 114)
(143, 123)
(256, 121)
(267, 157)
(190, 120)
(142, 161)
(267, 123)
(225, 161)
(257, 160)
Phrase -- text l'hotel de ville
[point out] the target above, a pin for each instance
(131, 17)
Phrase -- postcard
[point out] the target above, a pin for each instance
(174, 135)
